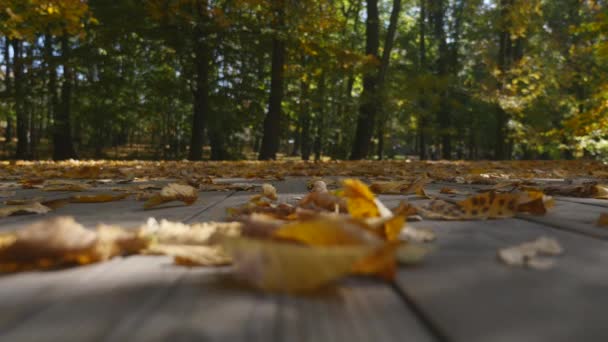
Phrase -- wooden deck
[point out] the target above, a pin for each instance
(460, 293)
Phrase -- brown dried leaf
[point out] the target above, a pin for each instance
(411, 254)
(418, 234)
(488, 205)
(62, 241)
(65, 186)
(97, 198)
(21, 209)
(47, 244)
(527, 254)
(323, 200)
(177, 233)
(188, 255)
(602, 221)
(173, 192)
(7, 193)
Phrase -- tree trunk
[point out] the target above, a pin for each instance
(386, 54)
(504, 60)
(9, 89)
(368, 107)
(62, 130)
(318, 144)
(200, 110)
(19, 81)
(305, 115)
(422, 125)
(443, 114)
(272, 122)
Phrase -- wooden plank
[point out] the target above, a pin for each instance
(146, 298)
(127, 212)
(34, 292)
(578, 215)
(203, 307)
(469, 296)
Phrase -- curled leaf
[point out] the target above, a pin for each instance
(173, 192)
(285, 267)
(360, 201)
(529, 254)
(28, 208)
(602, 221)
(98, 198)
(327, 232)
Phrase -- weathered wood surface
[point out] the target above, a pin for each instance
(460, 293)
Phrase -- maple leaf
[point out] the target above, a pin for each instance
(173, 192)
(488, 205)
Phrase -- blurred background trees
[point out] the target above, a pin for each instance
(310, 79)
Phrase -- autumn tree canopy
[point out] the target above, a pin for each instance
(266, 79)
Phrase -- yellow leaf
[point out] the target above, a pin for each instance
(327, 232)
(285, 267)
(360, 201)
(381, 262)
(393, 227)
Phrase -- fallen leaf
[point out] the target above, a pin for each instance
(177, 233)
(319, 186)
(529, 254)
(7, 193)
(65, 186)
(418, 234)
(449, 191)
(488, 205)
(602, 221)
(62, 241)
(189, 245)
(380, 263)
(188, 255)
(400, 187)
(173, 192)
(284, 267)
(97, 198)
(327, 232)
(29, 208)
(411, 254)
(323, 200)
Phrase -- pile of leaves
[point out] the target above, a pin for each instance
(273, 245)
(474, 172)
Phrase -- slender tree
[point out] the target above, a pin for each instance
(368, 106)
(272, 121)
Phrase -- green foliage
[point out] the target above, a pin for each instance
(524, 76)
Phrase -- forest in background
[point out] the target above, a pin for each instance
(311, 79)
